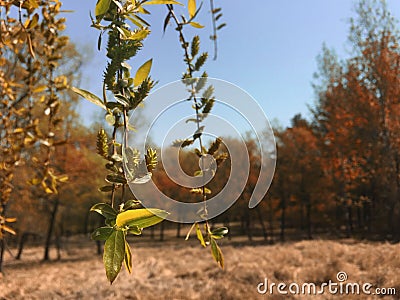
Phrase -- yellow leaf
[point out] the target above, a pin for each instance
(39, 89)
(8, 229)
(139, 35)
(128, 257)
(142, 72)
(48, 190)
(141, 218)
(217, 253)
(102, 7)
(200, 235)
(35, 181)
(192, 8)
(33, 22)
(33, 3)
(62, 178)
(11, 220)
(18, 130)
(196, 25)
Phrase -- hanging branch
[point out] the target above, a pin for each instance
(126, 215)
(215, 16)
(202, 106)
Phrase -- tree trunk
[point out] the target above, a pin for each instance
(260, 219)
(99, 247)
(359, 218)
(271, 221)
(308, 216)
(367, 217)
(302, 216)
(283, 219)
(152, 232)
(2, 248)
(249, 226)
(349, 221)
(242, 225)
(58, 245)
(162, 231)
(21, 244)
(51, 229)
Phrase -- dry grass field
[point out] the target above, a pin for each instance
(183, 270)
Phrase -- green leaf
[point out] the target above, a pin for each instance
(142, 218)
(198, 132)
(119, 5)
(114, 254)
(89, 96)
(200, 235)
(196, 25)
(221, 26)
(209, 105)
(102, 233)
(201, 82)
(182, 143)
(200, 61)
(135, 230)
(152, 2)
(151, 159)
(106, 188)
(207, 94)
(142, 72)
(116, 178)
(195, 46)
(214, 146)
(105, 210)
(216, 10)
(191, 8)
(128, 257)
(102, 7)
(110, 222)
(133, 203)
(219, 233)
(217, 17)
(217, 253)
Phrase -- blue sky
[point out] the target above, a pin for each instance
(268, 48)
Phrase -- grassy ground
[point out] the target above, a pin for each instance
(183, 270)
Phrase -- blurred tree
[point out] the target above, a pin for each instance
(357, 119)
(37, 63)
